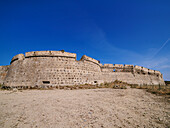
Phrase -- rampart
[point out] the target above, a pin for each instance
(60, 68)
(131, 74)
(3, 73)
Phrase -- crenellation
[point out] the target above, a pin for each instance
(150, 71)
(128, 66)
(138, 67)
(108, 65)
(144, 70)
(158, 73)
(118, 65)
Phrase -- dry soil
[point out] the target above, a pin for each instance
(88, 108)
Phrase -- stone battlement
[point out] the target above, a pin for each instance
(138, 69)
(50, 54)
(60, 68)
(108, 65)
(43, 54)
(134, 69)
(84, 57)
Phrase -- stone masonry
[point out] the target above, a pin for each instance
(59, 68)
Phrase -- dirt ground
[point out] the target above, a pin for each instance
(87, 108)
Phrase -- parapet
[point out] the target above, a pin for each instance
(62, 53)
(144, 70)
(108, 65)
(158, 73)
(50, 54)
(151, 71)
(118, 65)
(18, 57)
(128, 66)
(138, 67)
(29, 54)
(84, 57)
(43, 54)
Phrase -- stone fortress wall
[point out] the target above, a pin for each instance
(3, 72)
(59, 68)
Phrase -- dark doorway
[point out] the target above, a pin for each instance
(46, 82)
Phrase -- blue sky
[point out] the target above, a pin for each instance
(113, 31)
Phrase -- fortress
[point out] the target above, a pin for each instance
(60, 68)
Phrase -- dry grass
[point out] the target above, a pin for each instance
(116, 85)
(155, 89)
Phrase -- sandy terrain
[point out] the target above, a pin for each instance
(91, 108)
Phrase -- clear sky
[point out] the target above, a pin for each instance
(112, 31)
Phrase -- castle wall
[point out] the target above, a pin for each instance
(59, 68)
(133, 78)
(52, 71)
(3, 72)
(131, 74)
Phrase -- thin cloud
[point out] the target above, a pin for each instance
(164, 67)
(114, 54)
(102, 44)
(161, 48)
(154, 63)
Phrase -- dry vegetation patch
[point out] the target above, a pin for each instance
(155, 89)
(115, 85)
